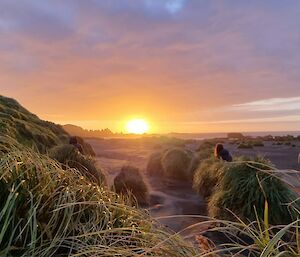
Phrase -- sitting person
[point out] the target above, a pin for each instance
(221, 152)
(74, 141)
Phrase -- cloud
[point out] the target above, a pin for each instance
(288, 118)
(171, 60)
(272, 104)
(40, 21)
(172, 6)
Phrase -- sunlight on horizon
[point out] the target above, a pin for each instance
(137, 126)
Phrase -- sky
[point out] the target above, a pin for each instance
(183, 65)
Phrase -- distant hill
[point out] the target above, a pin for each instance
(79, 131)
(27, 128)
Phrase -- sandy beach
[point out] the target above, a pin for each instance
(171, 200)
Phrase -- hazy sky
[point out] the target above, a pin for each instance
(186, 66)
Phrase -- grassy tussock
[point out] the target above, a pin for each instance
(50, 211)
(243, 189)
(87, 148)
(255, 213)
(130, 181)
(178, 163)
(154, 165)
(69, 156)
(207, 176)
(245, 145)
(258, 143)
(206, 149)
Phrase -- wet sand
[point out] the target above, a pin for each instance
(175, 199)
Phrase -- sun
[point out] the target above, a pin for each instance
(137, 126)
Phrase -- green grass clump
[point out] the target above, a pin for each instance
(47, 210)
(245, 145)
(258, 143)
(130, 180)
(69, 156)
(154, 166)
(207, 176)
(244, 188)
(177, 164)
(25, 127)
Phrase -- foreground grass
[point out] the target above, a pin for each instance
(50, 210)
(258, 238)
(47, 210)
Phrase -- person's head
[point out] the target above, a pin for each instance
(73, 140)
(218, 148)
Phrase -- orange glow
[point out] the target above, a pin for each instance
(80, 66)
(137, 126)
